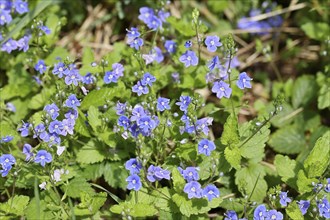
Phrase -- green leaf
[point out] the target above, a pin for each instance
(285, 167)
(115, 175)
(15, 205)
(90, 204)
(293, 211)
(233, 156)
(90, 153)
(99, 97)
(250, 181)
(76, 186)
(143, 210)
(178, 180)
(80, 125)
(28, 18)
(41, 99)
(304, 91)
(190, 207)
(253, 149)
(57, 52)
(289, 140)
(323, 100)
(94, 118)
(319, 158)
(230, 136)
(304, 183)
(316, 30)
(182, 26)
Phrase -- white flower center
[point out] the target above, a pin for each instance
(42, 157)
(222, 88)
(189, 58)
(193, 189)
(205, 146)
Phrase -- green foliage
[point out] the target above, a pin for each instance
(90, 153)
(304, 91)
(14, 206)
(316, 30)
(90, 204)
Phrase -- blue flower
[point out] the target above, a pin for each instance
(303, 206)
(157, 173)
(212, 43)
(59, 69)
(231, 215)
(43, 157)
(72, 101)
(6, 162)
(274, 215)
(221, 89)
(210, 192)
(68, 127)
(158, 55)
(110, 77)
(203, 123)
(10, 107)
(133, 33)
(124, 122)
(324, 208)
(118, 69)
(52, 110)
(88, 79)
(44, 29)
(193, 189)
(206, 147)
(6, 139)
(27, 151)
(135, 43)
(72, 76)
(244, 81)
(23, 43)
(260, 213)
(137, 112)
(163, 104)
(38, 130)
(284, 199)
(9, 45)
(148, 79)
(55, 127)
(189, 58)
(184, 102)
(190, 174)
(154, 23)
(214, 63)
(71, 114)
(21, 7)
(121, 108)
(327, 186)
(170, 46)
(163, 15)
(146, 14)
(134, 182)
(146, 124)
(5, 17)
(188, 44)
(133, 165)
(53, 139)
(175, 77)
(140, 89)
(5, 5)
(24, 129)
(40, 66)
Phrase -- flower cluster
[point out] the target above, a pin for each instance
(141, 87)
(194, 188)
(133, 181)
(152, 19)
(260, 26)
(115, 74)
(6, 161)
(261, 213)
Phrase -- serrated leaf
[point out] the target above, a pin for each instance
(190, 207)
(304, 91)
(319, 158)
(293, 211)
(143, 210)
(90, 205)
(99, 97)
(285, 167)
(15, 205)
(304, 183)
(178, 180)
(250, 180)
(76, 186)
(115, 175)
(289, 140)
(90, 153)
(230, 136)
(233, 156)
(316, 30)
(94, 118)
(253, 148)
(323, 100)
(182, 26)
(80, 125)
